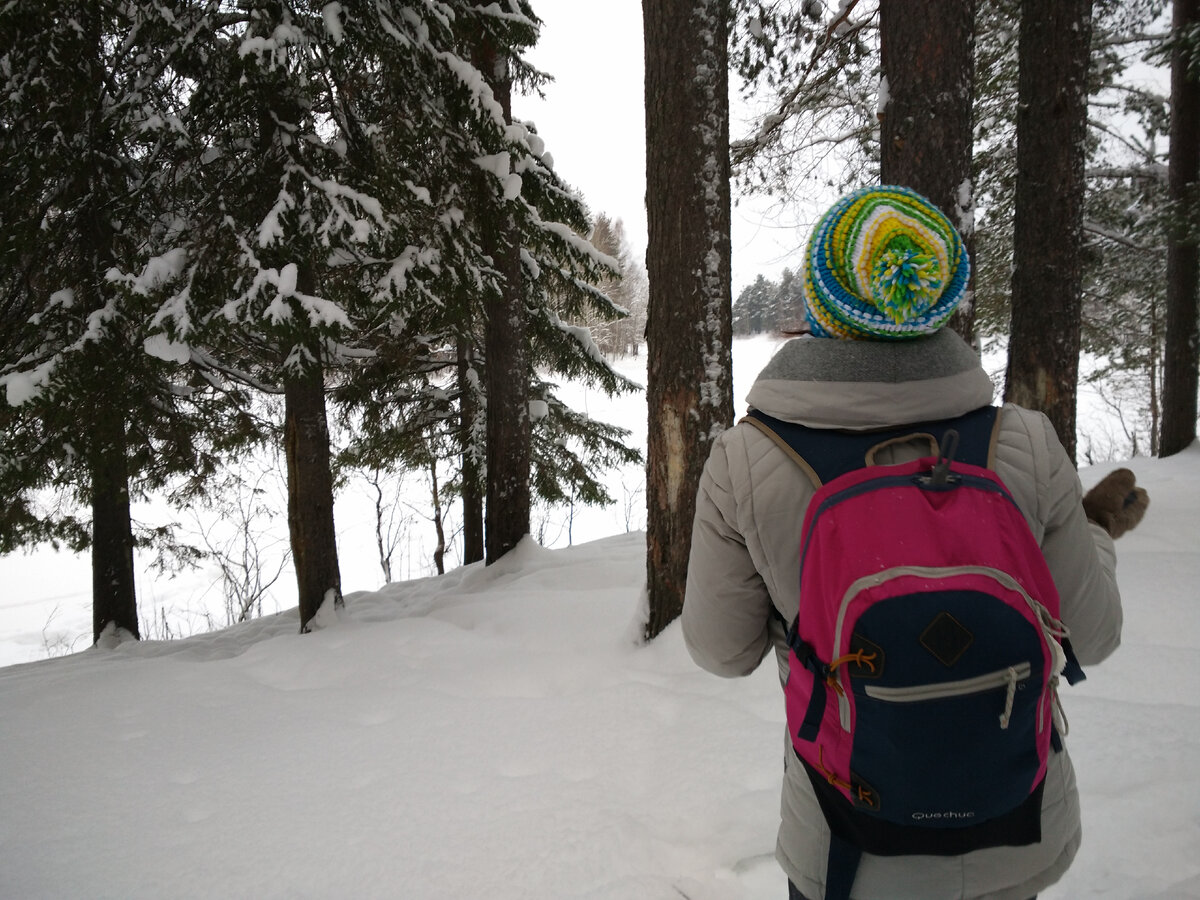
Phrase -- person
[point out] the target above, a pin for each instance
(884, 270)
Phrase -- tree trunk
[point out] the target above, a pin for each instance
(472, 497)
(1154, 376)
(689, 326)
(439, 549)
(1181, 361)
(928, 55)
(114, 599)
(382, 538)
(310, 493)
(103, 420)
(1043, 354)
(509, 455)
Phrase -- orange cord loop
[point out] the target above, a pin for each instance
(858, 657)
(830, 776)
(865, 795)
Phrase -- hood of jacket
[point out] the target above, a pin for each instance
(864, 385)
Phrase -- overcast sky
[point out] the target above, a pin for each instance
(593, 122)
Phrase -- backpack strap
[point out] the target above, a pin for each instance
(823, 459)
(841, 868)
(774, 428)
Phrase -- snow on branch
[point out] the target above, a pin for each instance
(159, 270)
(411, 257)
(1115, 236)
(472, 79)
(209, 363)
(23, 385)
(582, 336)
(580, 244)
(1152, 171)
(500, 166)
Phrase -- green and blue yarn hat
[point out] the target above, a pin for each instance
(883, 264)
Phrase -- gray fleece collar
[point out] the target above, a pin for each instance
(856, 385)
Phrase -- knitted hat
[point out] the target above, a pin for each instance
(883, 264)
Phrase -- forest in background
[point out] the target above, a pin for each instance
(315, 233)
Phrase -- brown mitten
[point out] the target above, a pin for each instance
(1116, 504)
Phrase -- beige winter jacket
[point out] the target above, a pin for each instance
(744, 560)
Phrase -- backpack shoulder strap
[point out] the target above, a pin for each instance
(771, 427)
(823, 459)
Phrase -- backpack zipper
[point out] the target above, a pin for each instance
(918, 693)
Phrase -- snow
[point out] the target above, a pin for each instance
(331, 14)
(162, 347)
(965, 201)
(21, 387)
(500, 165)
(158, 271)
(500, 732)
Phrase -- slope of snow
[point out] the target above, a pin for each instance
(501, 733)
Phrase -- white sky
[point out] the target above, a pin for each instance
(593, 122)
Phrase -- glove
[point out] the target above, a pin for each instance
(1116, 504)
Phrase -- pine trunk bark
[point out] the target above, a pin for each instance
(1181, 361)
(1043, 354)
(114, 599)
(928, 56)
(310, 494)
(472, 497)
(509, 455)
(103, 416)
(689, 326)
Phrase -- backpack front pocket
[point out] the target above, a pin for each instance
(1010, 679)
(949, 753)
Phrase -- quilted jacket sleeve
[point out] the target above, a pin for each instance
(726, 609)
(1083, 561)
(1080, 555)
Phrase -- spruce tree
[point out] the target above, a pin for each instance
(429, 378)
(99, 410)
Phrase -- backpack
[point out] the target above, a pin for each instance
(925, 657)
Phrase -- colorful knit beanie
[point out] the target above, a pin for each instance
(883, 264)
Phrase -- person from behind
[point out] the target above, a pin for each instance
(881, 381)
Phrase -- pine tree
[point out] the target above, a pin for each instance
(755, 310)
(97, 408)
(689, 388)
(1043, 362)
(792, 315)
(1181, 375)
(430, 379)
(329, 159)
(927, 51)
(1122, 253)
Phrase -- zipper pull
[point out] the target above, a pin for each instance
(939, 475)
(1006, 716)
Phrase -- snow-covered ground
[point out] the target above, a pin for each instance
(500, 733)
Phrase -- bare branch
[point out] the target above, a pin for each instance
(747, 148)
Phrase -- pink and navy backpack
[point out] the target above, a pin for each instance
(926, 655)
